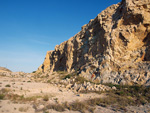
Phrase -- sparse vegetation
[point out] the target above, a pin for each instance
(23, 109)
(80, 79)
(34, 72)
(58, 107)
(21, 98)
(48, 81)
(75, 106)
(61, 72)
(67, 76)
(46, 98)
(78, 106)
(32, 98)
(55, 99)
(119, 99)
(47, 75)
(8, 85)
(4, 90)
(46, 112)
(2, 96)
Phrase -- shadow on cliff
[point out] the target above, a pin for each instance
(94, 44)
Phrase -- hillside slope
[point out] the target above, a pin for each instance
(3, 69)
(113, 47)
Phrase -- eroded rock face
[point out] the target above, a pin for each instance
(113, 47)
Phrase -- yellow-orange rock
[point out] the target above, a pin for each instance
(115, 46)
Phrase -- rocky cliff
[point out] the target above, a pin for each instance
(113, 47)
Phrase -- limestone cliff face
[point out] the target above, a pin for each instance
(114, 47)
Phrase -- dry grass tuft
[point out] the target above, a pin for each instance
(23, 109)
(46, 98)
(57, 107)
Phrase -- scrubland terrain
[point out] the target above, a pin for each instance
(63, 92)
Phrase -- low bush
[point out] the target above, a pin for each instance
(48, 81)
(80, 79)
(57, 107)
(8, 85)
(34, 72)
(2, 96)
(46, 98)
(78, 106)
(67, 76)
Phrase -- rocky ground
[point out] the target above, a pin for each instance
(32, 93)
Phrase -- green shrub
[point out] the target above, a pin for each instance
(80, 79)
(34, 72)
(46, 98)
(49, 81)
(67, 76)
(8, 85)
(2, 96)
(61, 72)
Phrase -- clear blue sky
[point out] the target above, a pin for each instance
(30, 28)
